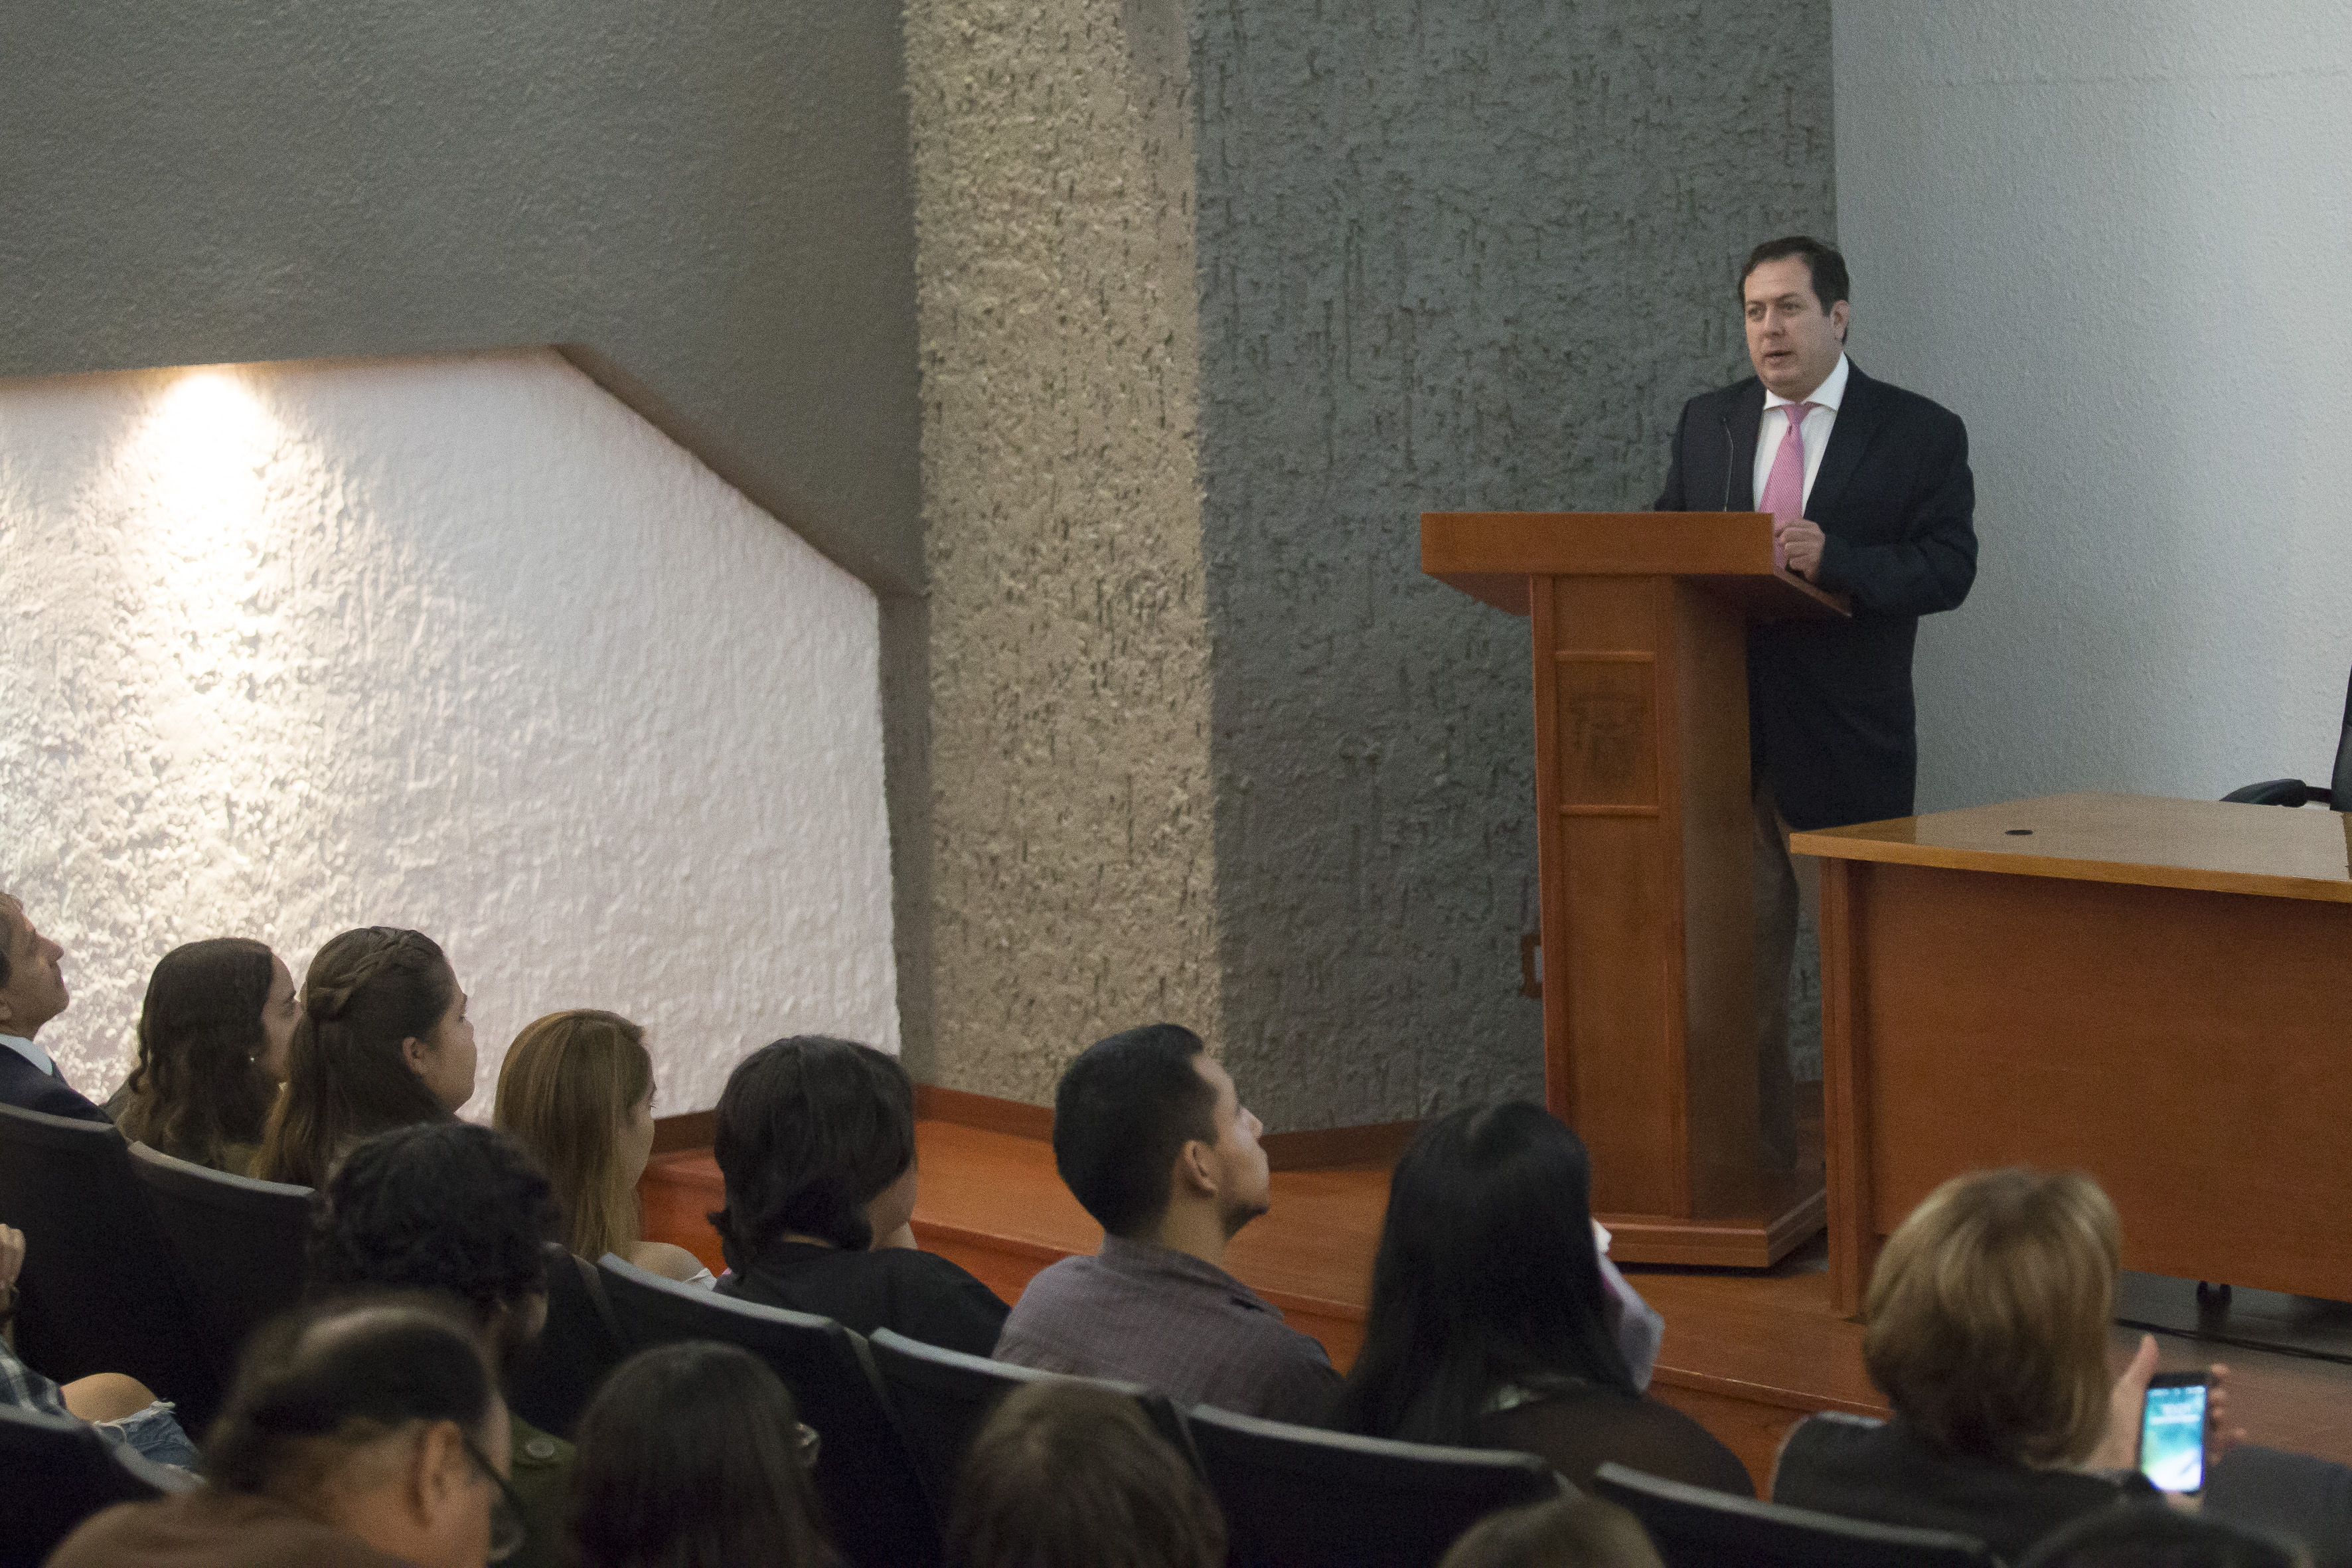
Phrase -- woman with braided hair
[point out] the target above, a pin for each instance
(383, 1042)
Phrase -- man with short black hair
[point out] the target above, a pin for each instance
(32, 992)
(457, 1209)
(1150, 1136)
(1870, 497)
(369, 1433)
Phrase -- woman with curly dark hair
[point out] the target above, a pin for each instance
(457, 1210)
(213, 1038)
(383, 1042)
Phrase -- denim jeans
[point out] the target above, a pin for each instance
(156, 1433)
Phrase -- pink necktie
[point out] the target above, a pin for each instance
(1784, 487)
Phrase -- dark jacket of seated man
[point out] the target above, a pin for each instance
(1151, 1137)
(32, 992)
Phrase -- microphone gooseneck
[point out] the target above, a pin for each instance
(1729, 452)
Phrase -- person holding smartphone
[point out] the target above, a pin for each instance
(1988, 1313)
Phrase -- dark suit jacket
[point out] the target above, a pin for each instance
(28, 1088)
(1829, 715)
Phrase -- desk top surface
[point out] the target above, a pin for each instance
(2145, 839)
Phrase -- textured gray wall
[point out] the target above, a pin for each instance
(1072, 872)
(1451, 256)
(713, 199)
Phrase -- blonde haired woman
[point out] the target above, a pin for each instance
(1990, 1313)
(577, 1093)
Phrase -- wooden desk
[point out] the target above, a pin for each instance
(2158, 991)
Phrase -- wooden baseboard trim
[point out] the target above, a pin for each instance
(688, 1131)
(960, 1108)
(1326, 1148)
(1317, 1149)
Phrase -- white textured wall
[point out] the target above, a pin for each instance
(2113, 236)
(459, 644)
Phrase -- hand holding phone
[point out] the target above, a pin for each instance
(2172, 1431)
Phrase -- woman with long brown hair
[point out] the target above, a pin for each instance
(214, 1034)
(383, 1042)
(577, 1091)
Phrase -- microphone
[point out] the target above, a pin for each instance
(1729, 452)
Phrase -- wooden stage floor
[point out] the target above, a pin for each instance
(1746, 1353)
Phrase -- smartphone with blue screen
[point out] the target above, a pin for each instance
(2172, 1431)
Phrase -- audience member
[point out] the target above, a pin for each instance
(2153, 1536)
(577, 1091)
(120, 1407)
(369, 1435)
(1150, 1136)
(1489, 1323)
(1068, 1475)
(213, 1038)
(1571, 1532)
(383, 1042)
(1988, 1313)
(32, 992)
(455, 1208)
(817, 1141)
(691, 1454)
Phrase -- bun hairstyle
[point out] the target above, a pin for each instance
(346, 1077)
(199, 1084)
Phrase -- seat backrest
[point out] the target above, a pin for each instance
(876, 1510)
(941, 1397)
(239, 1240)
(554, 1379)
(58, 1473)
(102, 1288)
(2300, 1496)
(1691, 1525)
(2340, 781)
(1297, 1498)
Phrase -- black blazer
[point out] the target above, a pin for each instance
(28, 1088)
(1830, 716)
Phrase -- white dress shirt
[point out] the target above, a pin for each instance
(31, 1053)
(1820, 420)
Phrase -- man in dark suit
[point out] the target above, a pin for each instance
(1870, 497)
(32, 992)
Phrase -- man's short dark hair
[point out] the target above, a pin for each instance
(446, 1206)
(810, 1132)
(1823, 264)
(343, 1375)
(1123, 1112)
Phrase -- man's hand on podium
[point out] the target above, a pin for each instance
(1800, 546)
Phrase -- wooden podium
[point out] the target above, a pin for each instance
(1645, 839)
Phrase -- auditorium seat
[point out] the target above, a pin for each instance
(239, 1240)
(940, 1398)
(875, 1507)
(58, 1471)
(2337, 793)
(552, 1385)
(1297, 1498)
(2299, 1496)
(102, 1290)
(1691, 1526)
